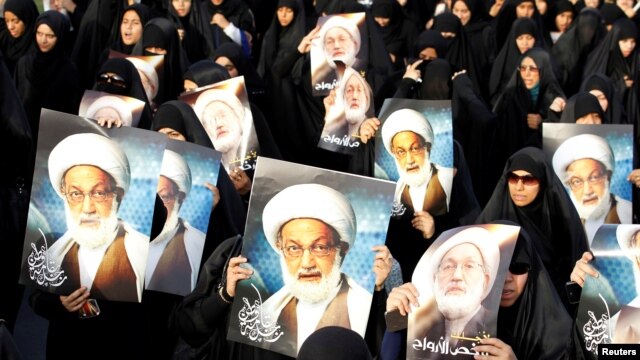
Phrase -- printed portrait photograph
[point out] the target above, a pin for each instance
(416, 153)
(342, 44)
(609, 309)
(309, 238)
(91, 207)
(150, 68)
(109, 108)
(459, 281)
(224, 111)
(175, 254)
(593, 163)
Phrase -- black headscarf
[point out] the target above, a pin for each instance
(206, 72)
(555, 9)
(48, 79)
(507, 59)
(162, 33)
(551, 220)
(579, 105)
(126, 70)
(279, 42)
(573, 47)
(399, 35)
(144, 13)
(14, 48)
(507, 16)
(536, 326)
(614, 113)
(436, 80)
(198, 40)
(336, 343)
(432, 39)
(253, 82)
(611, 12)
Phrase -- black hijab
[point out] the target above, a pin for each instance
(336, 343)
(206, 72)
(198, 41)
(507, 15)
(14, 48)
(507, 59)
(579, 105)
(573, 47)
(536, 326)
(133, 85)
(280, 42)
(162, 33)
(144, 13)
(399, 35)
(614, 113)
(431, 39)
(551, 220)
(253, 82)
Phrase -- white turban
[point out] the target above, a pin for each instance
(224, 96)
(348, 74)
(481, 238)
(89, 149)
(584, 146)
(114, 102)
(348, 24)
(310, 201)
(623, 235)
(406, 120)
(176, 168)
(149, 71)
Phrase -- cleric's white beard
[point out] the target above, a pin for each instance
(93, 237)
(455, 307)
(416, 179)
(172, 220)
(312, 292)
(348, 58)
(593, 211)
(228, 142)
(354, 116)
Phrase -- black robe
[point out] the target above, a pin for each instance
(198, 41)
(615, 113)
(551, 219)
(236, 12)
(14, 48)
(399, 35)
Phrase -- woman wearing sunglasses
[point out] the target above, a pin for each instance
(530, 194)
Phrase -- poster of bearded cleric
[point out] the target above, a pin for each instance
(346, 107)
(341, 44)
(107, 108)
(319, 227)
(418, 154)
(609, 310)
(224, 111)
(187, 176)
(460, 280)
(593, 163)
(92, 204)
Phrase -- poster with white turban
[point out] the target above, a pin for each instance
(110, 108)
(609, 310)
(341, 44)
(91, 208)
(593, 162)
(151, 70)
(346, 108)
(415, 149)
(187, 176)
(460, 280)
(225, 113)
(309, 239)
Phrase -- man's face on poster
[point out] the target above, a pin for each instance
(222, 125)
(311, 258)
(589, 185)
(91, 204)
(150, 88)
(412, 157)
(339, 46)
(172, 199)
(460, 281)
(356, 100)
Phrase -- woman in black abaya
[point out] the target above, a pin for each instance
(530, 194)
(193, 27)
(603, 88)
(230, 21)
(47, 78)
(279, 53)
(516, 9)
(202, 73)
(17, 39)
(131, 24)
(583, 108)
(398, 34)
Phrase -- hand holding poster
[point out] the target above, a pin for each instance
(108, 109)
(93, 191)
(175, 254)
(319, 228)
(459, 281)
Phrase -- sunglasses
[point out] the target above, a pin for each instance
(532, 69)
(113, 79)
(527, 180)
(519, 268)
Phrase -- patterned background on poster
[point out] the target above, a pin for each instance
(439, 115)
